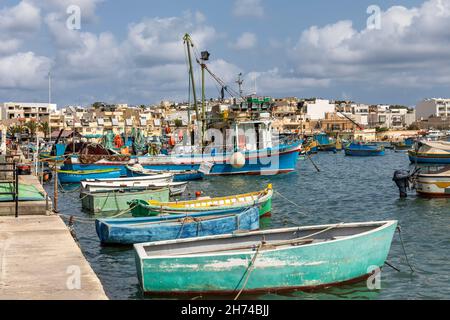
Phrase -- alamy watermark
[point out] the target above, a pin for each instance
(374, 20)
(73, 281)
(73, 21)
(374, 280)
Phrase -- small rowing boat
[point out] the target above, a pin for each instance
(70, 176)
(364, 150)
(262, 199)
(178, 176)
(176, 188)
(117, 200)
(138, 230)
(302, 258)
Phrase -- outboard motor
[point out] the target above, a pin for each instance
(401, 179)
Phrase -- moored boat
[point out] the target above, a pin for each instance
(178, 176)
(301, 258)
(117, 200)
(262, 199)
(437, 152)
(434, 185)
(176, 188)
(364, 150)
(68, 176)
(170, 227)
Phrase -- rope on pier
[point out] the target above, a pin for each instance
(91, 220)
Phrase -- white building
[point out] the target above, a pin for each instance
(437, 107)
(23, 110)
(316, 109)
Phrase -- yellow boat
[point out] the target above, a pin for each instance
(262, 199)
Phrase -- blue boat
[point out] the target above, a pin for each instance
(138, 230)
(178, 176)
(364, 150)
(69, 176)
(431, 152)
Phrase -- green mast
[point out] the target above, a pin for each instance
(188, 41)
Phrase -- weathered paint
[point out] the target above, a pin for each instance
(117, 201)
(292, 268)
(138, 230)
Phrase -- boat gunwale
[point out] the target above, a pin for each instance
(140, 248)
(88, 172)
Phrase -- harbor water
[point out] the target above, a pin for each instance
(348, 189)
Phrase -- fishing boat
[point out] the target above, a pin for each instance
(262, 199)
(403, 146)
(176, 188)
(434, 152)
(325, 143)
(117, 200)
(358, 149)
(69, 176)
(178, 176)
(303, 258)
(170, 227)
(26, 192)
(434, 185)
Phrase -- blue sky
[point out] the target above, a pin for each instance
(132, 52)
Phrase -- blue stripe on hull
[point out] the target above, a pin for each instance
(429, 160)
(364, 153)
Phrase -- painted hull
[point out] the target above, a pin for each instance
(117, 201)
(176, 188)
(303, 267)
(181, 176)
(77, 177)
(139, 230)
(144, 209)
(282, 159)
(433, 186)
(364, 153)
(429, 158)
(100, 166)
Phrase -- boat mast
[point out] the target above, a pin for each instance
(204, 58)
(188, 41)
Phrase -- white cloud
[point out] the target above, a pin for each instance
(88, 7)
(23, 71)
(22, 18)
(248, 8)
(246, 41)
(412, 48)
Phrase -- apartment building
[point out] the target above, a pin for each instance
(26, 111)
(434, 107)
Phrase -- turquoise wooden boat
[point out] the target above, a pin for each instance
(117, 200)
(301, 258)
(70, 176)
(138, 230)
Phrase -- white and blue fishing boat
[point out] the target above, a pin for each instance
(178, 176)
(431, 152)
(359, 149)
(139, 230)
(68, 176)
(303, 258)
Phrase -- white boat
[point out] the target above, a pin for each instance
(176, 188)
(433, 185)
(154, 177)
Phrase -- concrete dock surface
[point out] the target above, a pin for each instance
(39, 260)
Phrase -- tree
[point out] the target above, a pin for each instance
(44, 127)
(178, 123)
(15, 129)
(32, 127)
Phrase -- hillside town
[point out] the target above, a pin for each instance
(289, 115)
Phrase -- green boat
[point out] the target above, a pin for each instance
(304, 258)
(262, 199)
(26, 193)
(116, 201)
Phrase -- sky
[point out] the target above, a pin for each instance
(132, 51)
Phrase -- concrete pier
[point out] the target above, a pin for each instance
(40, 260)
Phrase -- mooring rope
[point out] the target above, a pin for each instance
(399, 229)
(291, 202)
(248, 272)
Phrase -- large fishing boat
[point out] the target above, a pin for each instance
(436, 152)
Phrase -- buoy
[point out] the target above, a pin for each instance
(237, 160)
(198, 194)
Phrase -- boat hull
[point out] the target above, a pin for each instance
(177, 176)
(433, 186)
(117, 201)
(443, 158)
(77, 177)
(139, 230)
(305, 267)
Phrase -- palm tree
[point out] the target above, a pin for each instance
(44, 127)
(32, 127)
(15, 129)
